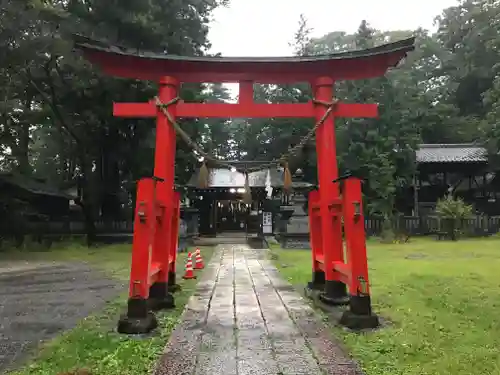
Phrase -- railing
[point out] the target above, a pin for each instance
(297, 228)
(78, 227)
(412, 225)
(105, 230)
(426, 225)
(69, 228)
(295, 233)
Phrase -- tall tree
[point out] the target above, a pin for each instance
(56, 107)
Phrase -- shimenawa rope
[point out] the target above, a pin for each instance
(283, 160)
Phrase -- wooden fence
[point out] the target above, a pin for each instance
(409, 225)
(426, 225)
(474, 226)
(75, 228)
(295, 234)
(106, 231)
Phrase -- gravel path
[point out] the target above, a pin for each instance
(244, 319)
(39, 300)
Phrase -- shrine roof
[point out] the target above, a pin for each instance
(224, 178)
(451, 153)
(33, 185)
(133, 63)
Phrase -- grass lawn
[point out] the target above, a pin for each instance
(442, 297)
(94, 344)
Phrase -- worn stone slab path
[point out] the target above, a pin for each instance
(244, 319)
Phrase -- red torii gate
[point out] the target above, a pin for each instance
(157, 211)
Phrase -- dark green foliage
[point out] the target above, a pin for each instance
(55, 108)
(445, 92)
(453, 211)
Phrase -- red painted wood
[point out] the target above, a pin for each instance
(154, 272)
(315, 230)
(161, 238)
(165, 169)
(325, 208)
(331, 227)
(342, 268)
(254, 110)
(165, 135)
(320, 259)
(174, 233)
(279, 71)
(142, 242)
(134, 110)
(217, 110)
(342, 278)
(245, 97)
(245, 110)
(152, 251)
(354, 228)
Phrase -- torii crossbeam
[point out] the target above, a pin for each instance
(157, 211)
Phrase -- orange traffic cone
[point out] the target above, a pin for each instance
(198, 260)
(189, 273)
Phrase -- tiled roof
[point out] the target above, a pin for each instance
(451, 153)
(32, 185)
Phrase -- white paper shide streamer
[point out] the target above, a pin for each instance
(269, 188)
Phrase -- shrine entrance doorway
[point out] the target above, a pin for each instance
(226, 212)
(221, 201)
(232, 216)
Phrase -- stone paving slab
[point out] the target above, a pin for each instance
(244, 319)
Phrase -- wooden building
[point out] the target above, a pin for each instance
(221, 207)
(460, 169)
(27, 203)
(35, 195)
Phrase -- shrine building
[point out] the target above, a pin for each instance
(221, 205)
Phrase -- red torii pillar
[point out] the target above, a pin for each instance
(155, 234)
(156, 227)
(327, 247)
(329, 196)
(332, 273)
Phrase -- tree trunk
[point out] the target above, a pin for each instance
(86, 201)
(22, 149)
(110, 182)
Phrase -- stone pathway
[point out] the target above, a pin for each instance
(244, 319)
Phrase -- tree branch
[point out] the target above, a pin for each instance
(55, 110)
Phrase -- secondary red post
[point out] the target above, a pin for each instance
(141, 248)
(174, 238)
(318, 279)
(355, 237)
(360, 313)
(138, 318)
(331, 226)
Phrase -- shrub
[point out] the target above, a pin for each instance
(453, 211)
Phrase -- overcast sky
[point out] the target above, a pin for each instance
(265, 27)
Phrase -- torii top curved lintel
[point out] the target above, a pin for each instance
(351, 65)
